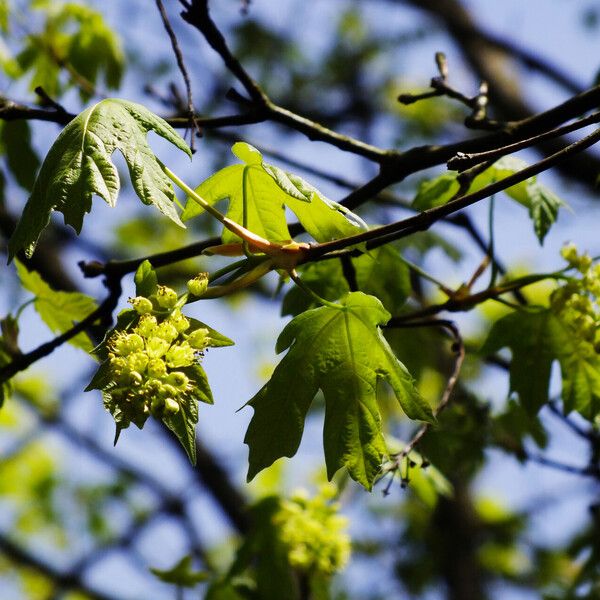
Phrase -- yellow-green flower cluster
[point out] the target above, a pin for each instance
(313, 532)
(577, 302)
(147, 363)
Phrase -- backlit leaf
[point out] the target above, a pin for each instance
(79, 165)
(341, 351)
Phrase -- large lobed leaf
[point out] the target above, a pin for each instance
(341, 351)
(79, 165)
(258, 194)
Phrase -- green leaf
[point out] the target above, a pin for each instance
(58, 310)
(146, 282)
(23, 162)
(543, 208)
(182, 574)
(542, 204)
(215, 339)
(4, 12)
(183, 425)
(265, 190)
(341, 351)
(79, 165)
(536, 339)
(380, 272)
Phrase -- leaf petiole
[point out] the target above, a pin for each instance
(296, 279)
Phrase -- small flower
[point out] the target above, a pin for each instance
(141, 305)
(198, 339)
(166, 297)
(198, 285)
(181, 355)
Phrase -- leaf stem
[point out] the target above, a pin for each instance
(296, 279)
(247, 236)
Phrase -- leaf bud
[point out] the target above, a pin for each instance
(141, 305)
(198, 285)
(166, 297)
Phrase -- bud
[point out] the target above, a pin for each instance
(166, 297)
(171, 406)
(137, 361)
(198, 339)
(141, 305)
(178, 321)
(178, 380)
(569, 253)
(157, 368)
(198, 285)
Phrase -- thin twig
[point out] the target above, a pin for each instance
(459, 351)
(182, 68)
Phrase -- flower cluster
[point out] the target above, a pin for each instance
(313, 532)
(577, 302)
(149, 363)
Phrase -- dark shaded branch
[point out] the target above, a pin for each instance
(66, 581)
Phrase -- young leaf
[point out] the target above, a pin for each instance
(542, 204)
(258, 194)
(341, 351)
(183, 424)
(79, 165)
(59, 310)
(543, 208)
(146, 282)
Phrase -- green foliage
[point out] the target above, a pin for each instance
(258, 194)
(381, 273)
(566, 331)
(542, 204)
(76, 39)
(79, 165)
(340, 350)
(59, 310)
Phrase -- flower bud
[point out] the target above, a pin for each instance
(178, 380)
(166, 297)
(198, 339)
(171, 406)
(141, 305)
(178, 321)
(157, 368)
(198, 285)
